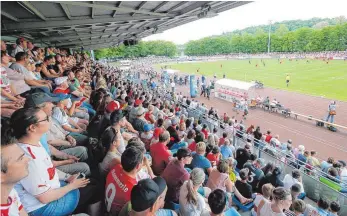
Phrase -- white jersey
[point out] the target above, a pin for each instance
(13, 206)
(42, 177)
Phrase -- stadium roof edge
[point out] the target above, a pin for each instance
(93, 24)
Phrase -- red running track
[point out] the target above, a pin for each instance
(300, 131)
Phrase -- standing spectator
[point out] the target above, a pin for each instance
(191, 202)
(160, 153)
(218, 202)
(121, 179)
(331, 112)
(175, 174)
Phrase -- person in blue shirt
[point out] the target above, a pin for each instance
(217, 201)
(227, 150)
(199, 159)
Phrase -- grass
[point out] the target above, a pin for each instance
(313, 78)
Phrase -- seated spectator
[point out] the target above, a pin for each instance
(110, 140)
(315, 161)
(273, 178)
(268, 136)
(149, 115)
(14, 167)
(325, 165)
(334, 208)
(22, 61)
(199, 159)
(295, 191)
(294, 178)
(255, 173)
(147, 135)
(190, 135)
(223, 139)
(147, 198)
(322, 208)
(343, 171)
(214, 156)
(299, 208)
(61, 198)
(281, 200)
(175, 174)
(182, 131)
(243, 155)
(139, 122)
(268, 168)
(172, 129)
(71, 124)
(160, 153)
(192, 203)
(121, 179)
(265, 196)
(204, 130)
(199, 137)
(219, 179)
(227, 150)
(242, 186)
(217, 201)
(275, 141)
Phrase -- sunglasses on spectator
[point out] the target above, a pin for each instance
(46, 119)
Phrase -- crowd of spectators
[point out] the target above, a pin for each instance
(78, 137)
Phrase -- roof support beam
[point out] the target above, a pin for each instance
(139, 7)
(159, 6)
(93, 10)
(89, 43)
(33, 9)
(9, 16)
(108, 7)
(115, 12)
(129, 31)
(62, 23)
(66, 11)
(177, 6)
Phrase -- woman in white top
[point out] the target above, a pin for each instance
(265, 197)
(281, 200)
(41, 192)
(192, 203)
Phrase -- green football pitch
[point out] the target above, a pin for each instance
(315, 77)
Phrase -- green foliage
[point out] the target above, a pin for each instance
(306, 39)
(142, 49)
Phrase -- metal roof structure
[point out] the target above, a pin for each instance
(98, 24)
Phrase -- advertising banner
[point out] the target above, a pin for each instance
(193, 87)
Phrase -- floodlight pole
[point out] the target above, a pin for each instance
(268, 45)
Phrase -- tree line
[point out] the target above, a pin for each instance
(142, 49)
(329, 38)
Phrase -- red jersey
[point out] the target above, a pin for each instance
(205, 132)
(147, 115)
(118, 189)
(268, 138)
(160, 157)
(192, 146)
(212, 158)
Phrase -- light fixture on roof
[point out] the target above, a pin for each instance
(206, 12)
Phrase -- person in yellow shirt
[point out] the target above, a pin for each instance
(287, 79)
(315, 161)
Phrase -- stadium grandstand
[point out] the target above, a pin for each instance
(84, 137)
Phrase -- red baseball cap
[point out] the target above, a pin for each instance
(112, 106)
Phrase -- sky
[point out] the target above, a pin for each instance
(252, 14)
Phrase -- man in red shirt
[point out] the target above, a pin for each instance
(121, 179)
(160, 153)
(204, 130)
(268, 136)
